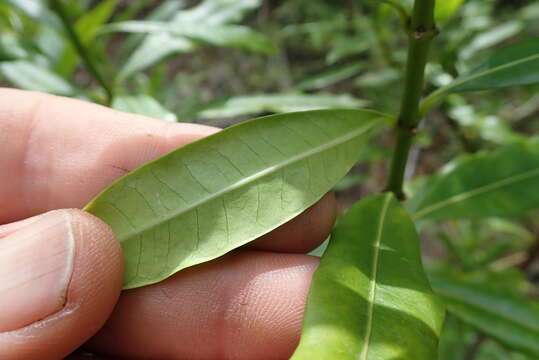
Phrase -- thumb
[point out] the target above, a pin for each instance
(60, 277)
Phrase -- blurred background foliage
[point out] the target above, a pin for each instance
(218, 62)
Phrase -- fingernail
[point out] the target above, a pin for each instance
(36, 263)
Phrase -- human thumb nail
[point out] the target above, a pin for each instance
(36, 264)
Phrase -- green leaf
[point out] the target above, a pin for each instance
(330, 77)
(86, 28)
(157, 46)
(219, 35)
(370, 298)
(517, 64)
(144, 105)
(153, 49)
(277, 103)
(508, 318)
(502, 183)
(446, 9)
(32, 76)
(38, 11)
(209, 197)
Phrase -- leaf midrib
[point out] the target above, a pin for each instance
(251, 178)
(374, 278)
(475, 192)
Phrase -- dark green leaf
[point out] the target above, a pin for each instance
(209, 197)
(502, 183)
(508, 318)
(370, 298)
(517, 64)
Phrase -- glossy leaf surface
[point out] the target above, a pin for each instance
(517, 64)
(502, 183)
(370, 298)
(214, 195)
(508, 318)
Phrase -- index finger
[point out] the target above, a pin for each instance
(59, 152)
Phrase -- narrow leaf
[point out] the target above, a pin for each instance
(153, 49)
(144, 105)
(370, 298)
(502, 183)
(209, 197)
(277, 103)
(517, 64)
(32, 76)
(219, 35)
(508, 318)
(86, 28)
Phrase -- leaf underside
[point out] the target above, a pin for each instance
(370, 298)
(212, 196)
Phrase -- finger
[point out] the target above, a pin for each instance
(305, 232)
(60, 277)
(247, 305)
(63, 151)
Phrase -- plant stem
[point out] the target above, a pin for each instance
(421, 31)
(59, 9)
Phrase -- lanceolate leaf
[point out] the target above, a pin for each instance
(517, 64)
(503, 183)
(370, 298)
(211, 196)
(510, 319)
(220, 35)
(277, 103)
(143, 104)
(33, 76)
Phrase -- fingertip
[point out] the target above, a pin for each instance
(70, 285)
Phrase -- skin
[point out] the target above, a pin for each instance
(246, 305)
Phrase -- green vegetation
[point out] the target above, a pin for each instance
(444, 188)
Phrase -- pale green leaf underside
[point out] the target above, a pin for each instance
(370, 298)
(503, 183)
(510, 319)
(214, 195)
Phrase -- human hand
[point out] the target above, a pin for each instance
(61, 270)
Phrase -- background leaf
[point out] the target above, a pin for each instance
(502, 183)
(32, 76)
(208, 14)
(517, 64)
(214, 195)
(508, 318)
(144, 105)
(370, 298)
(277, 103)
